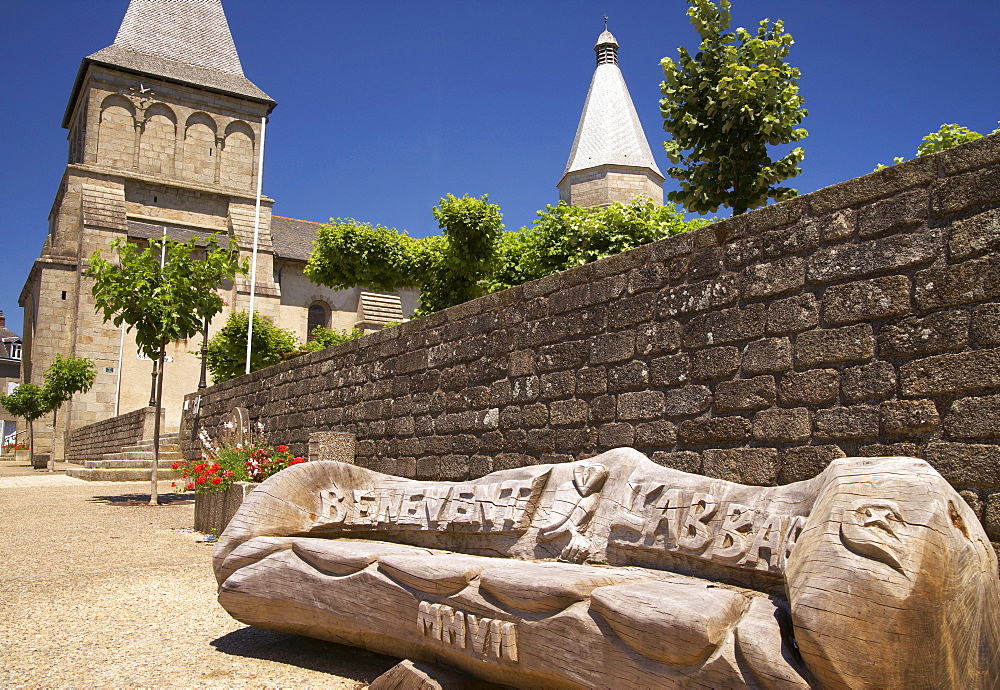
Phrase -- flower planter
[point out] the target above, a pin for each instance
(22, 455)
(213, 510)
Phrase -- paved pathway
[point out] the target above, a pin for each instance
(100, 589)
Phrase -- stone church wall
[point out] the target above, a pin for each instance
(860, 319)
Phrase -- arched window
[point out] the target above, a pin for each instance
(319, 315)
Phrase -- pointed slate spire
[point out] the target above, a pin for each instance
(187, 41)
(194, 32)
(610, 159)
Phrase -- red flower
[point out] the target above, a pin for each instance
(215, 467)
(282, 449)
(175, 466)
(199, 467)
(173, 484)
(201, 480)
(296, 461)
(189, 487)
(216, 480)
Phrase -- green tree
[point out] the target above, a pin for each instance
(28, 402)
(946, 137)
(448, 269)
(322, 338)
(162, 303)
(565, 236)
(465, 257)
(227, 349)
(64, 378)
(475, 255)
(724, 106)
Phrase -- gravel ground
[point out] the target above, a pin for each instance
(98, 588)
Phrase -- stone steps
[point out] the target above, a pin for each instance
(140, 456)
(166, 439)
(131, 464)
(120, 475)
(127, 464)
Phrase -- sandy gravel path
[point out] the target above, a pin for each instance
(97, 588)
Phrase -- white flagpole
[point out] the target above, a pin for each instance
(256, 226)
(118, 386)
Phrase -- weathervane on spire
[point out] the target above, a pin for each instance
(607, 46)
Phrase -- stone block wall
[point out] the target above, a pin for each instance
(109, 436)
(860, 319)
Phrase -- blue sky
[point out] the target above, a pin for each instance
(384, 107)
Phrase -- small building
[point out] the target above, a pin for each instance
(10, 376)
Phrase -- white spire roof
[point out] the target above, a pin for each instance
(609, 131)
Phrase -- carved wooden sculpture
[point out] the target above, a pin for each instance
(616, 572)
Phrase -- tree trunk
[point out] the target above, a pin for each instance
(154, 497)
(52, 457)
(31, 438)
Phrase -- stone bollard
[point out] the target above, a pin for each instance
(332, 445)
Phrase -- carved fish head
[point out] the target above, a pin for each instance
(890, 552)
(876, 529)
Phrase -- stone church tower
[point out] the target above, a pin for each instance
(163, 138)
(610, 160)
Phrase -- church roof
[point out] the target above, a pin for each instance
(609, 131)
(176, 70)
(186, 41)
(293, 238)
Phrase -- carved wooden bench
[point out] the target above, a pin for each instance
(616, 572)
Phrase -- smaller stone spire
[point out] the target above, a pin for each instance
(610, 160)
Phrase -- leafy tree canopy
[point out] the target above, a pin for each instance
(946, 137)
(322, 337)
(227, 349)
(724, 106)
(66, 377)
(167, 303)
(27, 401)
(565, 236)
(162, 303)
(448, 269)
(475, 255)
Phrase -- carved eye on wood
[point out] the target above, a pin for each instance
(875, 529)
